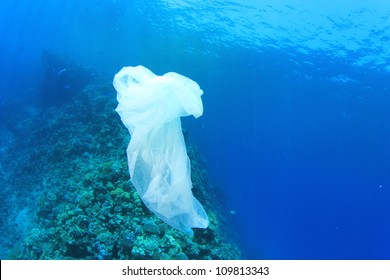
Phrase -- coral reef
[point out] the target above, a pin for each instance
(67, 191)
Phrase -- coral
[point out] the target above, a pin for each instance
(81, 204)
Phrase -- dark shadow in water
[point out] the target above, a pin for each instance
(62, 79)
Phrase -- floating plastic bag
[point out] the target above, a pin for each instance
(150, 106)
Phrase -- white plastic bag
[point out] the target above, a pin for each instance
(150, 107)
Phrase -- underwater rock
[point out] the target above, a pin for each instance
(95, 212)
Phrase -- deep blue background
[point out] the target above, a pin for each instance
(296, 128)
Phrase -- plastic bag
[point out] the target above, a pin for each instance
(150, 106)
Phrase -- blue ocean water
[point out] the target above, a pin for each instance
(296, 128)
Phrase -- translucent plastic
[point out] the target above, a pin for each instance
(150, 106)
